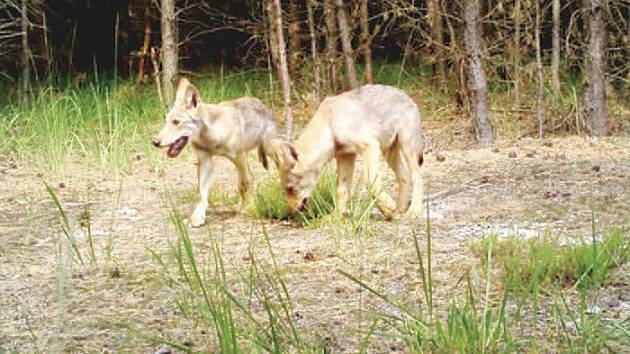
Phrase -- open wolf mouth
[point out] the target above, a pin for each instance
(176, 147)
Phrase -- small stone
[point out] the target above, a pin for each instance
(530, 154)
(310, 257)
(512, 155)
(163, 349)
(439, 156)
(61, 185)
(547, 143)
(594, 310)
(614, 303)
(596, 168)
(495, 149)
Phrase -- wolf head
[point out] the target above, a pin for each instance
(297, 179)
(181, 121)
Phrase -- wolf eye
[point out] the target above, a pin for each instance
(176, 122)
(290, 190)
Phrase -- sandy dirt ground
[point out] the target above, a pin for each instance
(50, 303)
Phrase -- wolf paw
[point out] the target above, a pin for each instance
(197, 220)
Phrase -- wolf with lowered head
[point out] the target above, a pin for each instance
(230, 129)
(369, 121)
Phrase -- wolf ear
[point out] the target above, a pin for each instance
(187, 93)
(192, 96)
(284, 151)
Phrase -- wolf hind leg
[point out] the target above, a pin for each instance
(413, 158)
(398, 164)
(373, 180)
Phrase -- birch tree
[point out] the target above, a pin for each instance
(366, 42)
(595, 105)
(555, 46)
(26, 52)
(169, 49)
(476, 74)
(285, 80)
(314, 51)
(346, 45)
(330, 17)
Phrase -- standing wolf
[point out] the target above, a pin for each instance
(370, 121)
(229, 129)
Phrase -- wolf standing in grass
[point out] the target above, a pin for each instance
(230, 129)
(369, 121)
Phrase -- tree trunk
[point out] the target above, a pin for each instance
(595, 106)
(346, 45)
(144, 51)
(539, 71)
(366, 41)
(330, 17)
(476, 74)
(314, 54)
(516, 54)
(26, 53)
(295, 45)
(169, 49)
(555, 50)
(285, 80)
(435, 24)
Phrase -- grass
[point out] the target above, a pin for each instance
(248, 307)
(270, 200)
(108, 122)
(544, 262)
(229, 314)
(482, 321)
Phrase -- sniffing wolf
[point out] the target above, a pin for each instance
(229, 129)
(370, 121)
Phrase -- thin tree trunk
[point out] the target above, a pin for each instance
(169, 49)
(366, 41)
(435, 25)
(476, 74)
(295, 45)
(346, 45)
(156, 73)
(330, 17)
(26, 53)
(595, 105)
(314, 54)
(144, 51)
(539, 71)
(516, 54)
(555, 44)
(276, 14)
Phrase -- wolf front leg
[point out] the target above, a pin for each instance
(345, 169)
(204, 174)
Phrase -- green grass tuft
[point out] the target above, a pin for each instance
(544, 262)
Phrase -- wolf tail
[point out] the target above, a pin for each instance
(262, 156)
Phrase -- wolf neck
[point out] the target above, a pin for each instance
(315, 147)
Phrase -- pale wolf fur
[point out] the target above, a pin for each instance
(228, 129)
(370, 121)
